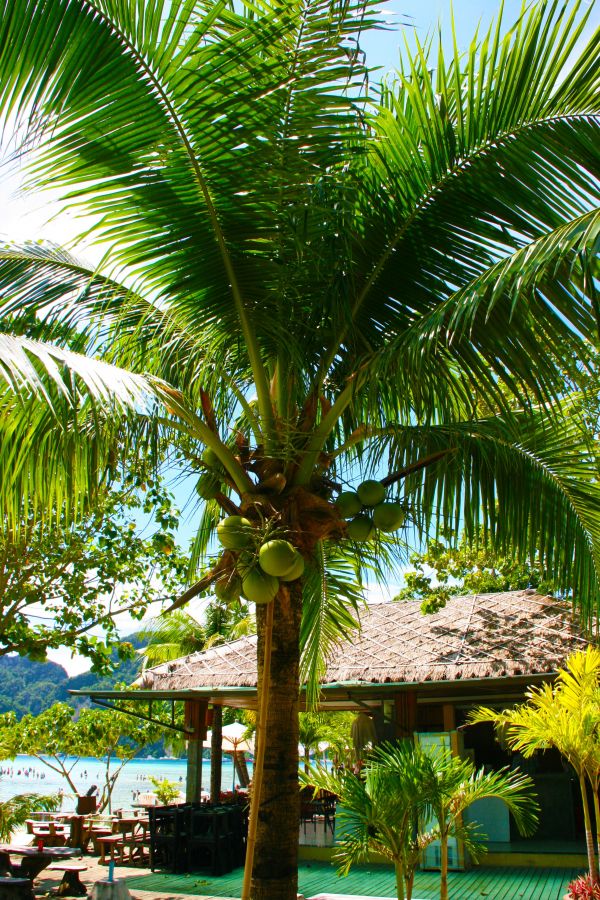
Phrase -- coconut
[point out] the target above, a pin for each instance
(208, 486)
(296, 570)
(276, 557)
(258, 587)
(371, 492)
(211, 459)
(228, 588)
(235, 532)
(348, 504)
(360, 528)
(388, 516)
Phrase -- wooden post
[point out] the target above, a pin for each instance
(216, 754)
(448, 713)
(195, 722)
(406, 714)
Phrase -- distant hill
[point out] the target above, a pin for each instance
(31, 687)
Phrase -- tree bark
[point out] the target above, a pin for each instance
(596, 815)
(275, 870)
(399, 872)
(444, 867)
(589, 836)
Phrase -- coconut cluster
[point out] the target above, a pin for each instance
(259, 566)
(367, 510)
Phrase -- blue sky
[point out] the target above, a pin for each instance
(423, 16)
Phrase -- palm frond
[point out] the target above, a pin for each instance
(65, 421)
(529, 482)
(331, 602)
(486, 170)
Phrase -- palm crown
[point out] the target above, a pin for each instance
(307, 274)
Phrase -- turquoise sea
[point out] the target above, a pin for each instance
(26, 774)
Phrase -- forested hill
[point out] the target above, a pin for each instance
(30, 687)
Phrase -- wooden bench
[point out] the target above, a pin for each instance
(70, 886)
(53, 834)
(112, 843)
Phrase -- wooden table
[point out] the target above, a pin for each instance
(34, 861)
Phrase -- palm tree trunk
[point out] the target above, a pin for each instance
(596, 814)
(589, 836)
(399, 880)
(242, 769)
(444, 866)
(275, 869)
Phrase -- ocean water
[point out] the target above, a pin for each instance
(26, 774)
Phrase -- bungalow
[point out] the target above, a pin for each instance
(417, 677)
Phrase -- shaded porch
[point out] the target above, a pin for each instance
(316, 878)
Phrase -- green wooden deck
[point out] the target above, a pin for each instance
(378, 881)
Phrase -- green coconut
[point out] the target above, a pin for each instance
(371, 492)
(296, 570)
(235, 532)
(228, 588)
(361, 528)
(211, 459)
(388, 516)
(258, 587)
(208, 486)
(348, 504)
(276, 557)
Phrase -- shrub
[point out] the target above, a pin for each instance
(165, 790)
(583, 888)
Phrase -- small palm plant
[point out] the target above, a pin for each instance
(564, 716)
(456, 784)
(407, 797)
(382, 810)
(15, 811)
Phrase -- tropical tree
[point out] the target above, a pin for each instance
(453, 564)
(382, 810)
(15, 811)
(59, 736)
(309, 279)
(406, 797)
(61, 581)
(456, 784)
(170, 636)
(566, 717)
(330, 731)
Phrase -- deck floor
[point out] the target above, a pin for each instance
(378, 881)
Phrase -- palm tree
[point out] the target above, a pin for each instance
(169, 637)
(565, 716)
(315, 279)
(407, 797)
(455, 785)
(382, 810)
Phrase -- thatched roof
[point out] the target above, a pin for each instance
(482, 636)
